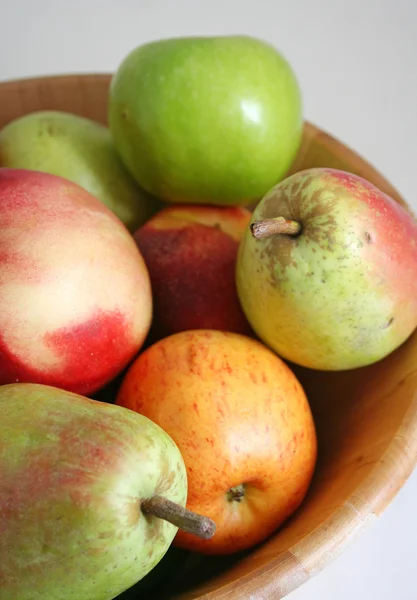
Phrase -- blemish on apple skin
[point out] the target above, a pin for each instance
(389, 323)
(195, 407)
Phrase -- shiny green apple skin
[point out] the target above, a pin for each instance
(206, 120)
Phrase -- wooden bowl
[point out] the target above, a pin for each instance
(366, 418)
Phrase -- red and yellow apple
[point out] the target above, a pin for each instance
(191, 252)
(75, 295)
(243, 425)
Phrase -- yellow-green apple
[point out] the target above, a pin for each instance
(327, 271)
(91, 495)
(243, 425)
(75, 293)
(80, 150)
(190, 253)
(206, 120)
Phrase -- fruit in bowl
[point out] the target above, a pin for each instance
(242, 423)
(365, 418)
(206, 120)
(326, 273)
(91, 496)
(75, 294)
(190, 253)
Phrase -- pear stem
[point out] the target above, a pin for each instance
(178, 515)
(268, 227)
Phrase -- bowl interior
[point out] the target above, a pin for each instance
(366, 418)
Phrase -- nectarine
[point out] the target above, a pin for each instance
(75, 296)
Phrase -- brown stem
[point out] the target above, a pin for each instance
(267, 227)
(178, 515)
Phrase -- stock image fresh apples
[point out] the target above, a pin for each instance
(75, 294)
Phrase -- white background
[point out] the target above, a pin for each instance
(357, 65)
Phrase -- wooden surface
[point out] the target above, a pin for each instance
(366, 419)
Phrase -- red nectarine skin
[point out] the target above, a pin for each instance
(239, 417)
(75, 296)
(191, 254)
(104, 336)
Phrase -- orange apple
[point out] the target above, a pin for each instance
(243, 424)
(191, 253)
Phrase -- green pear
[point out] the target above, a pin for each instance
(80, 150)
(91, 496)
(206, 120)
(326, 271)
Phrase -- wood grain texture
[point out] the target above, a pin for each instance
(366, 418)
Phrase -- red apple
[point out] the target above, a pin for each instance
(242, 423)
(191, 252)
(75, 295)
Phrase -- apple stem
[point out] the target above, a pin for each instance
(178, 515)
(268, 227)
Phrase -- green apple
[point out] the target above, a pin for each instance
(91, 495)
(326, 272)
(206, 120)
(80, 150)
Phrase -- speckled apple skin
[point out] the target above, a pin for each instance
(239, 417)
